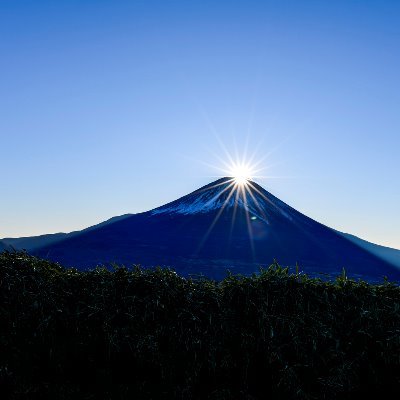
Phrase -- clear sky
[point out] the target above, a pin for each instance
(113, 107)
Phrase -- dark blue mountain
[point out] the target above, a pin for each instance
(218, 227)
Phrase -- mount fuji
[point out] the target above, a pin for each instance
(221, 226)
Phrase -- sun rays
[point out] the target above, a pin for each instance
(242, 167)
(241, 173)
(238, 190)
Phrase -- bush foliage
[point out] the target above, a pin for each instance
(151, 334)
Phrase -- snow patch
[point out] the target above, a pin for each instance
(259, 205)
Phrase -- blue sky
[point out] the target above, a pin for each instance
(110, 107)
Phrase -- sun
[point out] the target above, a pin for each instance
(240, 167)
(241, 173)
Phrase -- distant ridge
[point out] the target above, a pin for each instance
(30, 243)
(388, 254)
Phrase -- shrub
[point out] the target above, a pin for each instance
(151, 334)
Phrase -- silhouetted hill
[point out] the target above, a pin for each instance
(388, 254)
(33, 242)
(30, 243)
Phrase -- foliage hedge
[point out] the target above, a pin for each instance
(151, 334)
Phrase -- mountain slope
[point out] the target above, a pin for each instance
(388, 254)
(30, 243)
(215, 228)
(3, 246)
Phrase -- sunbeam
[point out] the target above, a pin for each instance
(240, 169)
(244, 190)
(231, 186)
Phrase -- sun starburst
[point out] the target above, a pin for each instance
(241, 173)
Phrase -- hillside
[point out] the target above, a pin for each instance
(153, 334)
(388, 254)
(30, 243)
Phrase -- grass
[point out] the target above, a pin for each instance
(151, 334)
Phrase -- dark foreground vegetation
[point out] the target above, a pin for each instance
(150, 334)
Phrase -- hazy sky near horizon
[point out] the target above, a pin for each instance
(113, 107)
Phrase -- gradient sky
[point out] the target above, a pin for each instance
(113, 107)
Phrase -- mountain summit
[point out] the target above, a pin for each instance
(223, 225)
(226, 194)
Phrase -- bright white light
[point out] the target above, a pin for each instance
(241, 167)
(241, 173)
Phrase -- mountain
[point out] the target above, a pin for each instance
(220, 226)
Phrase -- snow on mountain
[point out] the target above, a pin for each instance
(225, 194)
